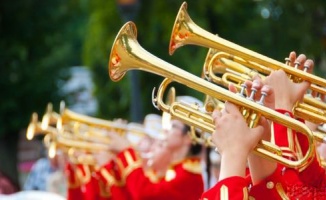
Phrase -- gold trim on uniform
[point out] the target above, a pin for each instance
(110, 180)
(152, 176)
(224, 193)
(131, 164)
(192, 166)
(104, 189)
(170, 175)
(245, 193)
(80, 178)
(281, 192)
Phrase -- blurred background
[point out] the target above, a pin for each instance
(59, 50)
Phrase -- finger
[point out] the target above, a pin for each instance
(256, 135)
(232, 88)
(292, 58)
(300, 61)
(309, 65)
(231, 108)
(248, 85)
(216, 115)
(257, 77)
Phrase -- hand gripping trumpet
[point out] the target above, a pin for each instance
(127, 54)
(185, 32)
(234, 70)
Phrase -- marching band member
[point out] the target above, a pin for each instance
(271, 181)
(176, 157)
(308, 182)
(239, 143)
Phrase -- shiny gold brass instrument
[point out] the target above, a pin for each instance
(185, 32)
(36, 128)
(67, 116)
(234, 71)
(127, 54)
(50, 117)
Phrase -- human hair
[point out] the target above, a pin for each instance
(195, 148)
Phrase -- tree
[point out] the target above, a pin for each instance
(38, 41)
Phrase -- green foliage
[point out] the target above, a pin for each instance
(38, 41)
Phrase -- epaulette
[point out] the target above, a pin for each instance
(193, 166)
(152, 176)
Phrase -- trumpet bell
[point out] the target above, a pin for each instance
(185, 32)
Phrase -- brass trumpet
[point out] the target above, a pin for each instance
(185, 32)
(235, 70)
(36, 128)
(127, 54)
(50, 117)
(67, 116)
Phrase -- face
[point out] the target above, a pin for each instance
(160, 155)
(175, 136)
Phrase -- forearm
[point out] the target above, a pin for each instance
(232, 164)
(260, 167)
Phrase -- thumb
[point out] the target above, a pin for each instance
(256, 135)
(303, 87)
(231, 108)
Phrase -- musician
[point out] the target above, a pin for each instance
(177, 159)
(104, 182)
(308, 182)
(238, 144)
(305, 183)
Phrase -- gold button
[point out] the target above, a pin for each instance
(270, 185)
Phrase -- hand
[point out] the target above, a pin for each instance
(233, 139)
(103, 157)
(118, 143)
(269, 100)
(288, 93)
(232, 135)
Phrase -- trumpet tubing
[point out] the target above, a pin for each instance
(234, 70)
(36, 128)
(50, 117)
(186, 32)
(127, 54)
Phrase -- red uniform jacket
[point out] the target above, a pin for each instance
(86, 183)
(308, 182)
(182, 181)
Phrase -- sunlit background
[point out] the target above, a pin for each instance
(58, 50)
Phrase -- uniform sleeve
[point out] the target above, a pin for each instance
(232, 188)
(111, 184)
(74, 183)
(314, 173)
(182, 184)
(271, 188)
(295, 146)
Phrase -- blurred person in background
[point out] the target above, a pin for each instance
(176, 163)
(41, 174)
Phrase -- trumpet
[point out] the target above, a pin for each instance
(185, 32)
(233, 70)
(126, 54)
(50, 117)
(36, 128)
(68, 116)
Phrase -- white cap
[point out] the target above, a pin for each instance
(189, 100)
(153, 126)
(135, 132)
